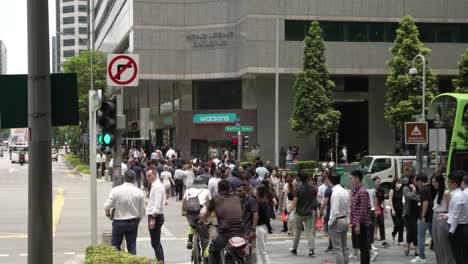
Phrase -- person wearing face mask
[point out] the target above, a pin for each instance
(396, 205)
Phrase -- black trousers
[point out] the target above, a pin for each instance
(459, 244)
(361, 241)
(179, 189)
(411, 223)
(398, 225)
(127, 228)
(381, 223)
(371, 227)
(155, 235)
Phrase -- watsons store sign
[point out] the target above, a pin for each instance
(217, 118)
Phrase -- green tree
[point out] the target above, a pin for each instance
(461, 82)
(81, 66)
(313, 107)
(404, 91)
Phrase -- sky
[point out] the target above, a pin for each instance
(13, 32)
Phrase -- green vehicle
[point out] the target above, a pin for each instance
(449, 111)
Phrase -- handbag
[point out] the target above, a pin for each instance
(319, 223)
(284, 217)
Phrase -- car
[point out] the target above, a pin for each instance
(55, 154)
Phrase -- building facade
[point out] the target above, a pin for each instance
(72, 29)
(217, 58)
(3, 58)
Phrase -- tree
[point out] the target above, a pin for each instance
(404, 91)
(461, 82)
(81, 66)
(313, 107)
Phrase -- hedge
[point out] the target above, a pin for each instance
(246, 163)
(307, 164)
(75, 161)
(106, 254)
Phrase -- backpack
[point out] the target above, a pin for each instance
(192, 205)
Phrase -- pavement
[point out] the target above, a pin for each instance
(72, 233)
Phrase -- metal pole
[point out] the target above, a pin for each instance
(277, 86)
(40, 241)
(437, 151)
(419, 155)
(117, 166)
(239, 146)
(92, 137)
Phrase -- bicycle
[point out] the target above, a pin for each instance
(197, 248)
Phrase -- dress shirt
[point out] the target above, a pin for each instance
(360, 209)
(156, 199)
(458, 210)
(339, 204)
(128, 202)
(213, 185)
(98, 158)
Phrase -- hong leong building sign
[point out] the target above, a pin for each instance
(210, 39)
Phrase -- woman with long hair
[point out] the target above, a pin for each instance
(440, 229)
(396, 207)
(166, 179)
(289, 187)
(262, 194)
(410, 212)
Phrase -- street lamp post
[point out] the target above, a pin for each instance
(277, 85)
(92, 144)
(414, 71)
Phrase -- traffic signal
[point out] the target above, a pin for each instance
(108, 122)
(245, 142)
(234, 140)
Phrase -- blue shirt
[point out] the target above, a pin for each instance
(327, 194)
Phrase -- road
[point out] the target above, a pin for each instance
(71, 224)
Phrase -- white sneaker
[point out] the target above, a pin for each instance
(374, 255)
(418, 260)
(374, 248)
(352, 256)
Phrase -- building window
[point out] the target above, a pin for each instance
(68, 9)
(67, 1)
(356, 84)
(83, 31)
(213, 95)
(82, 8)
(296, 30)
(68, 20)
(68, 53)
(68, 42)
(83, 42)
(82, 19)
(69, 31)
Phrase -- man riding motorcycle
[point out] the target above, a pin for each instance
(228, 210)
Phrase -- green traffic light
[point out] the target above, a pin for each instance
(100, 139)
(107, 139)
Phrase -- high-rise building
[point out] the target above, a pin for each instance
(54, 54)
(207, 63)
(3, 58)
(72, 28)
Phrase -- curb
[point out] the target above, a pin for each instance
(78, 259)
(74, 169)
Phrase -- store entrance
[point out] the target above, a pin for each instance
(352, 132)
(200, 147)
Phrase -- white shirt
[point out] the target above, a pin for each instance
(371, 193)
(128, 201)
(103, 158)
(179, 174)
(203, 196)
(98, 158)
(213, 185)
(321, 192)
(166, 178)
(124, 168)
(232, 166)
(136, 153)
(169, 153)
(261, 171)
(154, 155)
(189, 177)
(458, 210)
(111, 163)
(216, 161)
(156, 199)
(339, 204)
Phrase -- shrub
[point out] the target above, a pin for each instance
(309, 172)
(246, 163)
(307, 164)
(105, 254)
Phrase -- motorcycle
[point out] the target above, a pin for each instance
(22, 159)
(236, 252)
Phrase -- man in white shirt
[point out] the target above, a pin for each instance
(458, 218)
(98, 162)
(128, 205)
(213, 184)
(103, 164)
(216, 160)
(189, 177)
(154, 156)
(338, 223)
(171, 153)
(179, 176)
(197, 191)
(261, 171)
(155, 212)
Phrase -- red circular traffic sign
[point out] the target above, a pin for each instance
(115, 78)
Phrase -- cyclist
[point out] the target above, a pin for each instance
(228, 210)
(193, 206)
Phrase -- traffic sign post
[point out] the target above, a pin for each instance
(416, 133)
(239, 129)
(122, 69)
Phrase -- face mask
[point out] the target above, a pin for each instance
(398, 185)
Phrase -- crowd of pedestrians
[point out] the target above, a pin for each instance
(246, 199)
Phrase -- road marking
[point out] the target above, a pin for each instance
(12, 170)
(69, 253)
(57, 209)
(4, 255)
(4, 235)
(23, 255)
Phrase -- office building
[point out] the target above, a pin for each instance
(72, 28)
(215, 60)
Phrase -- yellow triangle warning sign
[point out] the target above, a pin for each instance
(416, 131)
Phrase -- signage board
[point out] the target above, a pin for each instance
(122, 69)
(416, 133)
(214, 118)
(239, 129)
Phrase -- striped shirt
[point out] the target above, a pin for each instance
(360, 207)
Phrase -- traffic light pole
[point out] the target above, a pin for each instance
(92, 166)
(40, 241)
(117, 166)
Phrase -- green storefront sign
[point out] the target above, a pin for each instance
(239, 129)
(216, 118)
